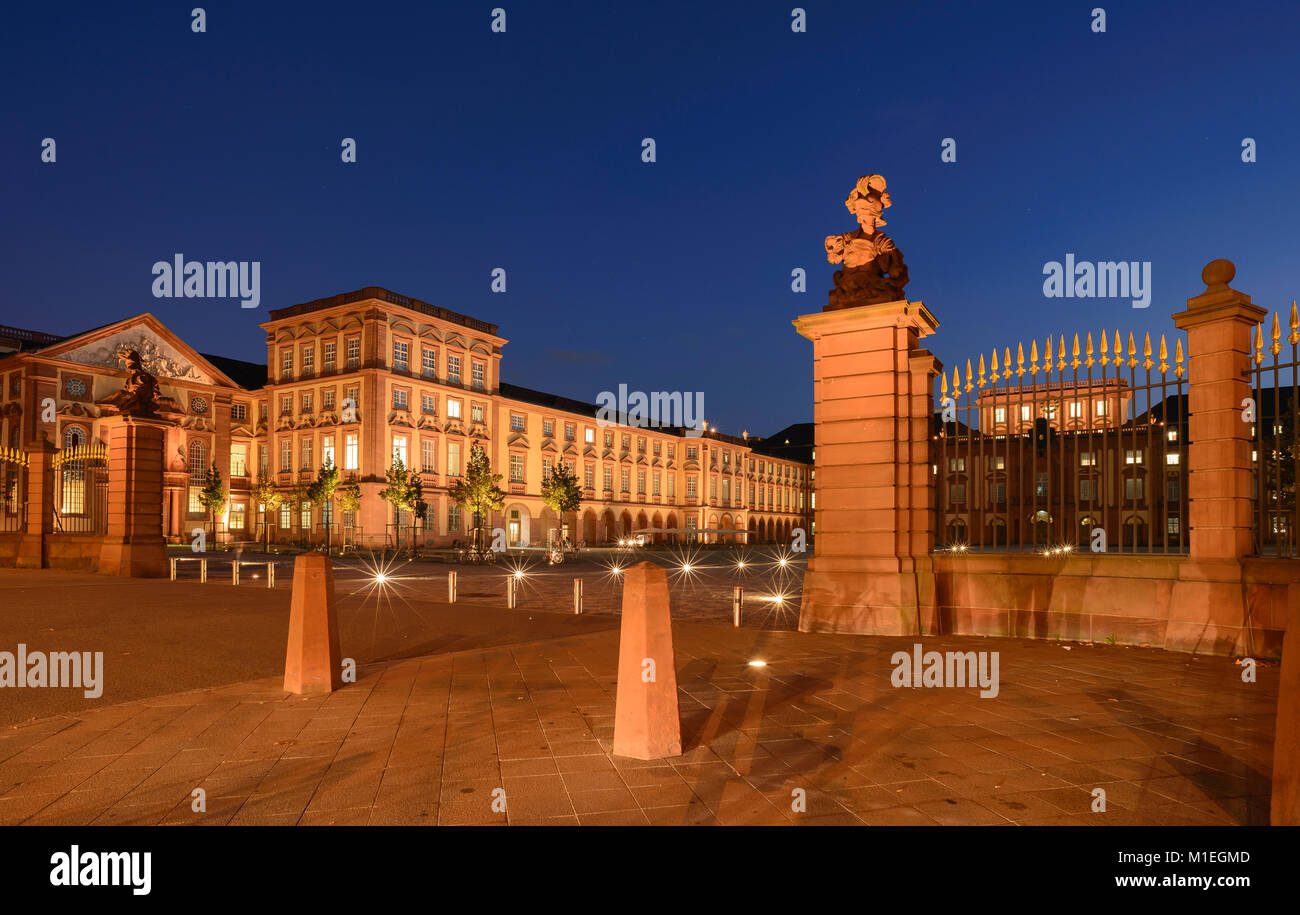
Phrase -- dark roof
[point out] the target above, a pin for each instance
(542, 399)
(248, 375)
(19, 340)
(385, 295)
(793, 443)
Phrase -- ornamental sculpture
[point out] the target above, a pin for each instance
(873, 268)
(140, 396)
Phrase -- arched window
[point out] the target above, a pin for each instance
(198, 462)
(73, 436)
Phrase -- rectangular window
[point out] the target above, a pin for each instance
(1171, 525)
(401, 349)
(998, 493)
(286, 454)
(354, 352)
(570, 430)
(1172, 459)
(640, 482)
(1087, 459)
(286, 405)
(1133, 489)
(692, 452)
(1087, 490)
(640, 444)
(956, 465)
(238, 517)
(609, 439)
(656, 448)
(399, 450)
(453, 409)
(1132, 456)
(1026, 412)
(546, 468)
(476, 413)
(453, 459)
(453, 369)
(308, 360)
(286, 364)
(428, 405)
(956, 494)
(399, 399)
(625, 477)
(516, 468)
(328, 356)
(589, 477)
(656, 483)
(998, 462)
(329, 399)
(305, 449)
(1172, 491)
(453, 518)
(429, 455)
(429, 363)
(999, 414)
(690, 486)
(239, 412)
(239, 460)
(713, 487)
(351, 459)
(1076, 409)
(1100, 407)
(327, 450)
(286, 516)
(589, 435)
(548, 428)
(609, 478)
(516, 422)
(477, 375)
(627, 442)
(672, 485)
(307, 402)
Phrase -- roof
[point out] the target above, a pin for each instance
(384, 295)
(248, 375)
(793, 443)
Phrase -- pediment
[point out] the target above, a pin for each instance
(163, 355)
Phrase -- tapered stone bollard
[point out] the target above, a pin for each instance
(312, 662)
(1286, 742)
(646, 722)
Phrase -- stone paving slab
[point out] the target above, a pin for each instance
(1172, 739)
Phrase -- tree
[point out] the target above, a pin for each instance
(561, 492)
(299, 495)
(349, 498)
(322, 491)
(478, 490)
(269, 498)
(405, 491)
(213, 496)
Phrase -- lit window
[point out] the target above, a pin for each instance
(400, 351)
(453, 409)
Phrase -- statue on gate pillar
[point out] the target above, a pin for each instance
(140, 395)
(873, 268)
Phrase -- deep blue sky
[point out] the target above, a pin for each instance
(522, 150)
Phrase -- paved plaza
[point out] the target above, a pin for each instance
(474, 714)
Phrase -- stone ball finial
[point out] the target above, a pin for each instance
(1218, 273)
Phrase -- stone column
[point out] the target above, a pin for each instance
(871, 570)
(40, 503)
(134, 544)
(1208, 611)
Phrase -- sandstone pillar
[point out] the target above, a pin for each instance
(1208, 609)
(646, 722)
(871, 571)
(40, 503)
(134, 544)
(1285, 810)
(312, 662)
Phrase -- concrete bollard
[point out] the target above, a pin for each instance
(646, 720)
(577, 596)
(203, 571)
(312, 660)
(451, 587)
(510, 592)
(234, 572)
(270, 574)
(737, 598)
(1285, 805)
(173, 562)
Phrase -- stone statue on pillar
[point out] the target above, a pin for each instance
(873, 270)
(140, 395)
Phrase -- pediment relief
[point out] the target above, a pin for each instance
(159, 356)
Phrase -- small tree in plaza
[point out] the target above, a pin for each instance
(405, 491)
(269, 498)
(478, 491)
(561, 492)
(349, 499)
(322, 491)
(213, 496)
(299, 495)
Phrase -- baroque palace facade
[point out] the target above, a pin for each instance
(367, 376)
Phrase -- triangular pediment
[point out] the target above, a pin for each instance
(164, 355)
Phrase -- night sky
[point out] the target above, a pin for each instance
(523, 151)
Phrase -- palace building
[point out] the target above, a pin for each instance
(367, 377)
